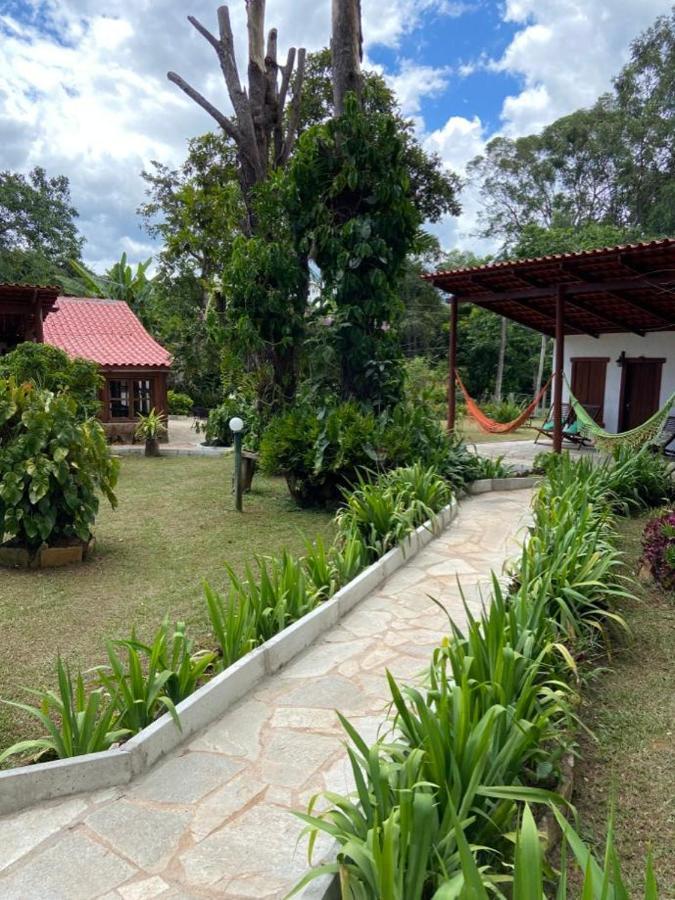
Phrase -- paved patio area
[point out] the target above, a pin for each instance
(214, 820)
(522, 453)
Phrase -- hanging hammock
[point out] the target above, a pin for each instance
(488, 425)
(635, 438)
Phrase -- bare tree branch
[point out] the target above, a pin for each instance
(294, 116)
(226, 124)
(286, 73)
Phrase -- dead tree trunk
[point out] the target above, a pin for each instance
(263, 135)
(346, 51)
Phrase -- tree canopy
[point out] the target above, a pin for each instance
(610, 165)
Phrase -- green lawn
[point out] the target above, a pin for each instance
(472, 434)
(631, 710)
(175, 525)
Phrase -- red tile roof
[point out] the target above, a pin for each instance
(104, 331)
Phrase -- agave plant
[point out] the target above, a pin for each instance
(75, 722)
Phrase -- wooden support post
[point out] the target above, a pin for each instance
(452, 365)
(37, 313)
(238, 484)
(559, 367)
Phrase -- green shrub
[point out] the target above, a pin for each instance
(503, 411)
(52, 467)
(322, 452)
(437, 799)
(494, 467)
(179, 404)
(426, 385)
(218, 432)
(50, 369)
(381, 513)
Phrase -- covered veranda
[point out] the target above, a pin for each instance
(629, 289)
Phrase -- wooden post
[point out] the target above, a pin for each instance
(559, 367)
(238, 485)
(37, 312)
(452, 365)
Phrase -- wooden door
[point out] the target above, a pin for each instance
(640, 391)
(588, 383)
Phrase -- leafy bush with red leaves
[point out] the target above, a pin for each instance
(658, 543)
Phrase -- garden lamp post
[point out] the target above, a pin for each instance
(236, 427)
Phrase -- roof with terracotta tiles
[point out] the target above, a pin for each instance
(104, 331)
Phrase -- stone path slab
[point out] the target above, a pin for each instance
(214, 819)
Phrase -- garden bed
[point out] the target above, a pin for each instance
(174, 526)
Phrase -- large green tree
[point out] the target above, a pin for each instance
(38, 231)
(612, 164)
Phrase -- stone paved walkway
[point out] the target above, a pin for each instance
(214, 819)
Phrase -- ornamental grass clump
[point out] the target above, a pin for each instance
(75, 721)
(52, 468)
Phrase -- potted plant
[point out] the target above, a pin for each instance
(52, 469)
(149, 429)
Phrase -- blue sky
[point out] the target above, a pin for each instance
(83, 87)
(452, 41)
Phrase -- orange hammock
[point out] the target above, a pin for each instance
(485, 423)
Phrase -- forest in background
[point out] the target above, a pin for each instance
(597, 177)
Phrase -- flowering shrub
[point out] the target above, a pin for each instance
(658, 543)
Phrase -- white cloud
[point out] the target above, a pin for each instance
(414, 82)
(565, 53)
(85, 94)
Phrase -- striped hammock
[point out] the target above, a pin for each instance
(635, 438)
(488, 425)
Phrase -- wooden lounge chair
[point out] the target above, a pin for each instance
(548, 427)
(666, 440)
(571, 428)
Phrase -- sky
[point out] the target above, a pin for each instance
(83, 88)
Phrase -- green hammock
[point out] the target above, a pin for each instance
(635, 438)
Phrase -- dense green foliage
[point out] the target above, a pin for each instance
(437, 796)
(350, 207)
(38, 234)
(610, 166)
(321, 451)
(52, 467)
(179, 404)
(51, 369)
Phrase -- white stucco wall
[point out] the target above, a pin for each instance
(660, 345)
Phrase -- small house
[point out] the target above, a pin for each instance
(134, 366)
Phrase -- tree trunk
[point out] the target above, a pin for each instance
(500, 362)
(263, 134)
(346, 51)
(540, 372)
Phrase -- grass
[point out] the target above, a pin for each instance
(175, 525)
(472, 434)
(631, 710)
